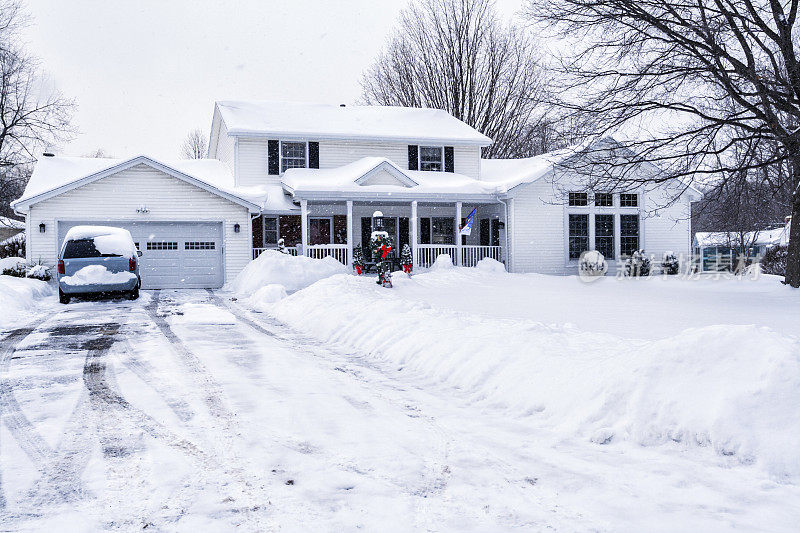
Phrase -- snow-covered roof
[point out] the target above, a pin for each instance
(6, 222)
(508, 173)
(53, 175)
(379, 177)
(326, 121)
(769, 237)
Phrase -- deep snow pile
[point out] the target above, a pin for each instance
(731, 388)
(97, 274)
(19, 295)
(273, 268)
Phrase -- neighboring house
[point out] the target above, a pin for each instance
(315, 176)
(718, 251)
(10, 227)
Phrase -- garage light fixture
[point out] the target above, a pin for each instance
(237, 228)
(142, 209)
(42, 227)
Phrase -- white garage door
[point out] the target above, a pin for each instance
(174, 254)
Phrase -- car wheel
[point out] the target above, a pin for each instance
(63, 298)
(134, 294)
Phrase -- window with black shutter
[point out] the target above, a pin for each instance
(449, 159)
(413, 157)
(313, 155)
(273, 157)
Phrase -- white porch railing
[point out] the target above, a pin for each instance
(427, 253)
(470, 255)
(291, 250)
(337, 251)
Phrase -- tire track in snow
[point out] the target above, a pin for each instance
(438, 472)
(215, 401)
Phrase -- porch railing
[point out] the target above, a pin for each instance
(470, 255)
(337, 251)
(291, 250)
(427, 253)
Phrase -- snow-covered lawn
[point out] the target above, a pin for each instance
(459, 400)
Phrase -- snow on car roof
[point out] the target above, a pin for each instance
(53, 172)
(326, 121)
(107, 239)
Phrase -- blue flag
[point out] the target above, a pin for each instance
(467, 228)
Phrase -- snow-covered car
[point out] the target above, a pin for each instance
(98, 259)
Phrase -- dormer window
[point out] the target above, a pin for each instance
(293, 155)
(431, 158)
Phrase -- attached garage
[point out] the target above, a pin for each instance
(192, 228)
(175, 255)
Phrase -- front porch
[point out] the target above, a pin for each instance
(325, 228)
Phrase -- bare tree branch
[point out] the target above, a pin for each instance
(195, 146)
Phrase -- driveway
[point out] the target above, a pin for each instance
(185, 411)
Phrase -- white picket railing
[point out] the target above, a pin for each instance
(470, 255)
(427, 253)
(337, 251)
(291, 250)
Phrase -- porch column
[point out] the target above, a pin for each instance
(349, 232)
(414, 232)
(304, 225)
(458, 233)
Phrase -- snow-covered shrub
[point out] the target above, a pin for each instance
(638, 264)
(358, 256)
(443, 262)
(592, 264)
(39, 272)
(13, 246)
(18, 270)
(487, 264)
(774, 261)
(670, 264)
(405, 256)
(282, 246)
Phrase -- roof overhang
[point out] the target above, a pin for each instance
(313, 136)
(386, 196)
(25, 203)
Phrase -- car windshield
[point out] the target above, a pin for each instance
(83, 248)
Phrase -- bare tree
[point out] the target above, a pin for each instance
(195, 146)
(456, 55)
(32, 114)
(692, 80)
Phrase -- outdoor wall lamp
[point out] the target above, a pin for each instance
(236, 228)
(42, 227)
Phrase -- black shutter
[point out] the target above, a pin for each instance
(313, 155)
(413, 157)
(366, 236)
(273, 161)
(449, 162)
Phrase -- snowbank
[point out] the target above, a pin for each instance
(11, 263)
(97, 274)
(733, 389)
(292, 272)
(20, 295)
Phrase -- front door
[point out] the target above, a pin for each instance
(320, 231)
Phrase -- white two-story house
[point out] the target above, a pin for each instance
(321, 176)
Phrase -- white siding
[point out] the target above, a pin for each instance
(117, 197)
(538, 227)
(225, 150)
(252, 166)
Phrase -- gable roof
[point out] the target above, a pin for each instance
(511, 173)
(352, 180)
(56, 175)
(326, 121)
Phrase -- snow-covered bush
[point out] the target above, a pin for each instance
(443, 262)
(282, 246)
(13, 246)
(774, 261)
(405, 256)
(592, 264)
(638, 264)
(358, 256)
(39, 272)
(670, 264)
(487, 264)
(18, 268)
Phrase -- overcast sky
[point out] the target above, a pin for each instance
(144, 73)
